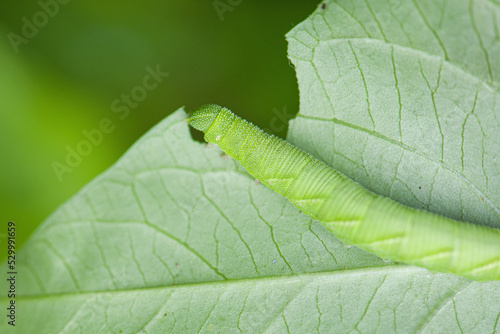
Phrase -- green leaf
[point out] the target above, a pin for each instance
(177, 238)
(404, 98)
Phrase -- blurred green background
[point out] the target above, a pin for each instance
(65, 63)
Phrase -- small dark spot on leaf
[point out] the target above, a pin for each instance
(419, 187)
(323, 5)
(164, 314)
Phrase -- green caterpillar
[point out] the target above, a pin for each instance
(354, 214)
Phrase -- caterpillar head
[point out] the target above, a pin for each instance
(204, 117)
(213, 120)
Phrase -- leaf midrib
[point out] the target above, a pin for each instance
(385, 269)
